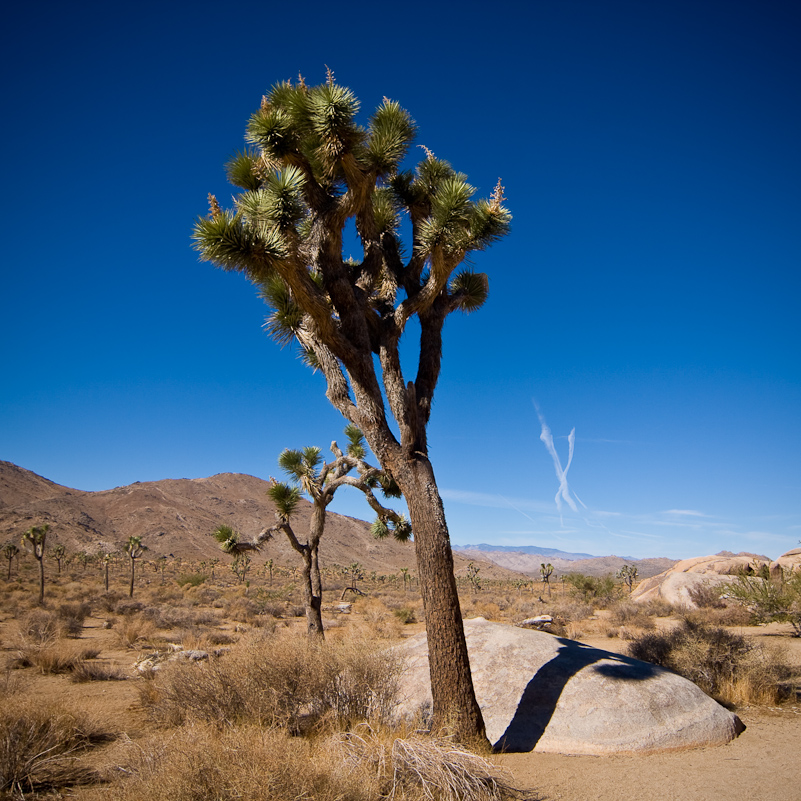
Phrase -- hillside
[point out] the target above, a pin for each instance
(176, 517)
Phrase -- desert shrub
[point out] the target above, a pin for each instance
(281, 681)
(132, 632)
(39, 744)
(107, 602)
(191, 579)
(726, 615)
(127, 608)
(243, 610)
(705, 596)
(84, 671)
(591, 590)
(201, 762)
(627, 613)
(405, 614)
(39, 627)
(567, 612)
(658, 607)
(770, 599)
(725, 665)
(72, 617)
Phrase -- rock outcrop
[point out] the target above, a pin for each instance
(543, 693)
(677, 584)
(786, 562)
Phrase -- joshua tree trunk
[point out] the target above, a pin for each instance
(41, 580)
(133, 573)
(448, 659)
(312, 597)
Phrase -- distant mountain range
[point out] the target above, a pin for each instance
(537, 549)
(176, 517)
(528, 558)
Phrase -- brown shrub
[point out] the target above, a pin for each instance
(727, 666)
(39, 744)
(283, 681)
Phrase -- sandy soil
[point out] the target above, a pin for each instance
(762, 764)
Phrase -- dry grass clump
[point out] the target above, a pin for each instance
(727, 666)
(629, 614)
(425, 767)
(72, 617)
(200, 762)
(134, 632)
(280, 680)
(40, 745)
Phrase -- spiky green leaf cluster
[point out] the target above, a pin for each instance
(400, 529)
(285, 499)
(309, 166)
(227, 537)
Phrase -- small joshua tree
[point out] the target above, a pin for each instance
(58, 552)
(34, 539)
(629, 575)
(472, 574)
(10, 551)
(546, 571)
(135, 550)
(320, 480)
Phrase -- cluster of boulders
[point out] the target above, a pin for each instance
(678, 584)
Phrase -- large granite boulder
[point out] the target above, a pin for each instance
(538, 692)
(677, 584)
(786, 562)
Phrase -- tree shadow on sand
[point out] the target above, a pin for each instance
(542, 693)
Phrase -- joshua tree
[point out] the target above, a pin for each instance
(35, 539)
(629, 575)
(240, 566)
(546, 571)
(320, 481)
(107, 560)
(135, 550)
(313, 171)
(10, 551)
(472, 574)
(405, 573)
(58, 552)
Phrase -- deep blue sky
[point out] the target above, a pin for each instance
(648, 294)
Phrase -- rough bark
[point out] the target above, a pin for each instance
(455, 705)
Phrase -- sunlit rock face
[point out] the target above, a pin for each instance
(543, 693)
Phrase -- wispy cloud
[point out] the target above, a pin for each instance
(684, 512)
(563, 493)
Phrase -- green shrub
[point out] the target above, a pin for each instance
(592, 590)
(405, 614)
(191, 579)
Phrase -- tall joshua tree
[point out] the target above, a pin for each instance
(34, 539)
(311, 168)
(135, 550)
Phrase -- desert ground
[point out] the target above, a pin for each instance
(181, 606)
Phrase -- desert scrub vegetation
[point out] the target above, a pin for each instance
(772, 599)
(727, 666)
(279, 680)
(41, 745)
(200, 762)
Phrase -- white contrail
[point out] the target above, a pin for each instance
(563, 493)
